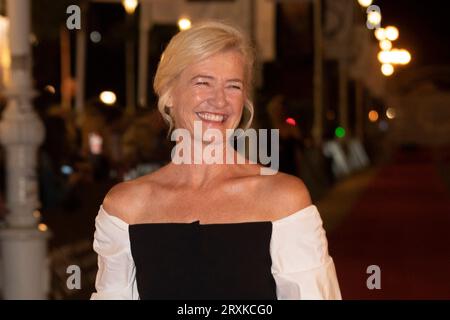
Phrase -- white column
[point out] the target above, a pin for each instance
(24, 271)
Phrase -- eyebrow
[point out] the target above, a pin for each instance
(212, 78)
(234, 80)
(201, 76)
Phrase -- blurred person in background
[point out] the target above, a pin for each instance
(145, 141)
(291, 143)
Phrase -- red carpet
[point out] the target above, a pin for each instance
(402, 224)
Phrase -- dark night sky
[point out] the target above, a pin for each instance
(424, 29)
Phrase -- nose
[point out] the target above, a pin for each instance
(219, 99)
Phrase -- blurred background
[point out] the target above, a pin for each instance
(359, 90)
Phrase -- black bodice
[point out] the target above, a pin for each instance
(195, 261)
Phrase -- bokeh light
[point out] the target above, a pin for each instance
(130, 5)
(390, 113)
(380, 34)
(339, 132)
(365, 3)
(184, 23)
(108, 97)
(291, 121)
(392, 33)
(385, 45)
(374, 18)
(387, 69)
(373, 116)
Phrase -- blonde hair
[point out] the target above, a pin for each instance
(197, 43)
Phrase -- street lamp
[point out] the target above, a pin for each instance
(385, 56)
(184, 24)
(108, 97)
(365, 3)
(374, 18)
(404, 57)
(130, 5)
(392, 33)
(385, 45)
(22, 243)
(5, 58)
(387, 69)
(395, 56)
(380, 34)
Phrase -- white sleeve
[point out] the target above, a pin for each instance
(116, 276)
(301, 265)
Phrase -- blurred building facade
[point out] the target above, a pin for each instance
(422, 101)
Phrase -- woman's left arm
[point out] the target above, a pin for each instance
(301, 265)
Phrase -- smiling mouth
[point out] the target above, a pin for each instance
(212, 117)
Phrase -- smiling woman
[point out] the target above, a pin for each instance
(210, 91)
(209, 230)
(215, 48)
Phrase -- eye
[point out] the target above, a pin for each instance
(202, 83)
(235, 86)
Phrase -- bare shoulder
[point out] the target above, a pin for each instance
(127, 199)
(285, 194)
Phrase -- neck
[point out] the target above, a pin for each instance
(200, 163)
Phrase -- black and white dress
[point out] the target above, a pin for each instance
(282, 259)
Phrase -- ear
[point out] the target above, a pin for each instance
(169, 102)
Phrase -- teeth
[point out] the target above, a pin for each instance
(210, 117)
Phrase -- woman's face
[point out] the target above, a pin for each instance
(211, 91)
